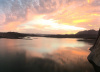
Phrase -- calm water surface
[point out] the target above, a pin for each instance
(44, 55)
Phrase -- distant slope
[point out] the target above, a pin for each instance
(88, 32)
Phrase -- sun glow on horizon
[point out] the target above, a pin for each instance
(51, 25)
(51, 16)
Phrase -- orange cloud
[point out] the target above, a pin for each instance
(90, 1)
(11, 26)
(81, 20)
(95, 14)
(90, 25)
(66, 14)
(29, 14)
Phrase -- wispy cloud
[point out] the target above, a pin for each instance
(49, 16)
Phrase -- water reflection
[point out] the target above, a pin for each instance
(44, 55)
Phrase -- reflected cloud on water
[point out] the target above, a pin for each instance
(54, 55)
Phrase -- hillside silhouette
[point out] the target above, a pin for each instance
(87, 34)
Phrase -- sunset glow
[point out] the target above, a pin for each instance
(49, 17)
(88, 1)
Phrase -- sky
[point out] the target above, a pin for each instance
(49, 16)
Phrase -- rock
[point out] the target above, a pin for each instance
(94, 56)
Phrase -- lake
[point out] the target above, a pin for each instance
(44, 55)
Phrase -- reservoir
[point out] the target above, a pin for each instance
(43, 54)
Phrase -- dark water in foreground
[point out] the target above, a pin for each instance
(44, 55)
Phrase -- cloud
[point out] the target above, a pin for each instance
(47, 26)
(16, 15)
(81, 21)
(95, 3)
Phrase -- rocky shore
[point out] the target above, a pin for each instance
(94, 56)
